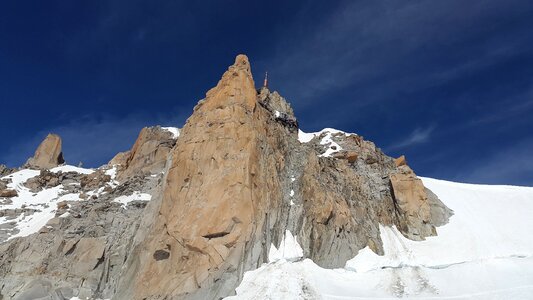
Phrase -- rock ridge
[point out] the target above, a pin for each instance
(223, 194)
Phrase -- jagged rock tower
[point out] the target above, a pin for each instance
(237, 179)
(240, 178)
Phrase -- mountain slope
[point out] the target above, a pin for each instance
(484, 252)
(185, 214)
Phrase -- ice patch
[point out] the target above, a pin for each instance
(327, 140)
(288, 250)
(68, 168)
(44, 202)
(304, 137)
(174, 130)
(136, 196)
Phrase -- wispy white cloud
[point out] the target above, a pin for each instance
(417, 136)
(511, 165)
(383, 48)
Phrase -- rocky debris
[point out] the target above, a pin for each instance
(147, 156)
(279, 108)
(273, 101)
(14, 213)
(79, 253)
(48, 155)
(44, 180)
(94, 180)
(3, 184)
(418, 211)
(4, 171)
(7, 193)
(350, 156)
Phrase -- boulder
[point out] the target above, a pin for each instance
(7, 193)
(48, 155)
(400, 161)
(45, 179)
(94, 180)
(351, 156)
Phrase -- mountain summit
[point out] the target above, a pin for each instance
(186, 213)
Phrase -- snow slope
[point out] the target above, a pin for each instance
(484, 252)
(327, 140)
(43, 202)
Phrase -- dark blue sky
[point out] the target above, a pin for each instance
(448, 83)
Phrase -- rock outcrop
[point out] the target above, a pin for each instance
(48, 155)
(147, 156)
(4, 171)
(414, 204)
(222, 195)
(239, 179)
(81, 251)
(206, 219)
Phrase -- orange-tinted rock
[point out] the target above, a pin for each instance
(412, 203)
(211, 200)
(8, 193)
(351, 156)
(147, 156)
(400, 161)
(48, 155)
(120, 159)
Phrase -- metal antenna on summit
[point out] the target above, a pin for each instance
(265, 83)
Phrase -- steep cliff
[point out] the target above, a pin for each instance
(238, 182)
(240, 178)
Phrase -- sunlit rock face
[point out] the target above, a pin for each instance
(48, 154)
(184, 217)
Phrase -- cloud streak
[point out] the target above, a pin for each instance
(417, 136)
(510, 165)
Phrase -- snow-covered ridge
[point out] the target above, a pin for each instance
(306, 137)
(327, 140)
(484, 252)
(35, 209)
(43, 202)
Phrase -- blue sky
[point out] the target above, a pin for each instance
(447, 83)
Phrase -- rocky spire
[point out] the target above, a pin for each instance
(211, 199)
(237, 182)
(235, 86)
(48, 155)
(239, 179)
